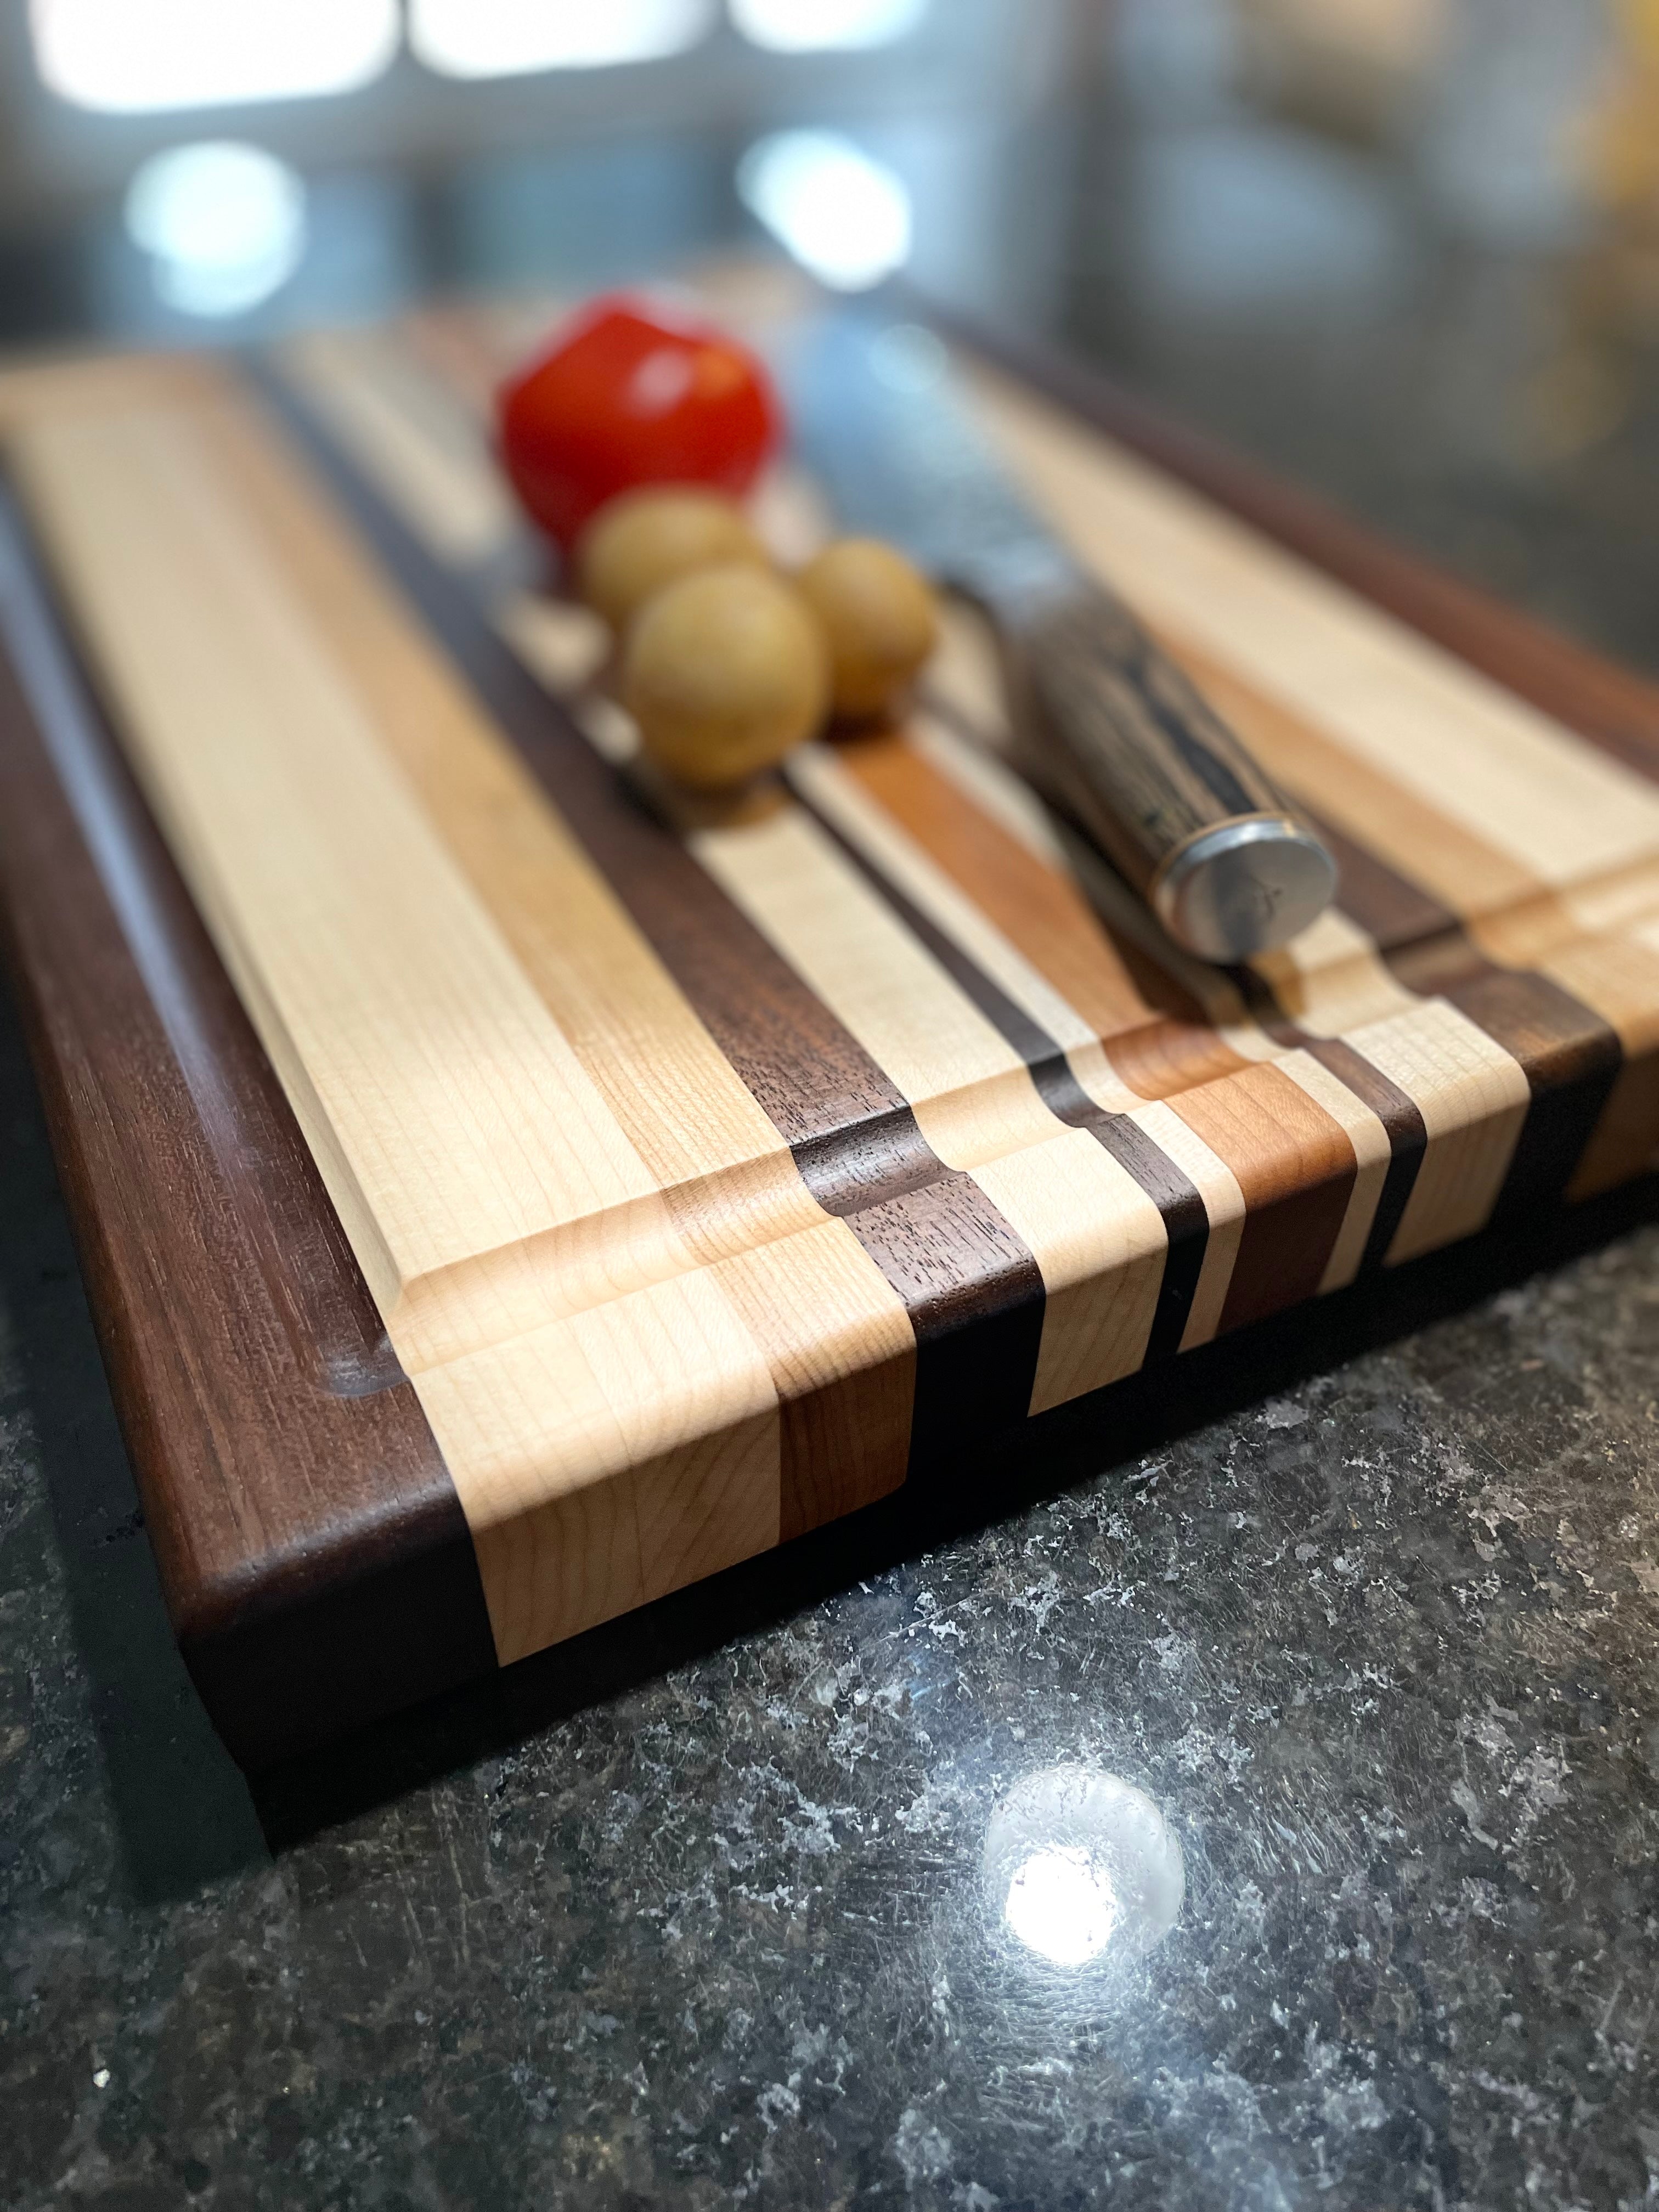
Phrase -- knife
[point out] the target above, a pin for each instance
(1122, 737)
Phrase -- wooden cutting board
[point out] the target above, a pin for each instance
(500, 1211)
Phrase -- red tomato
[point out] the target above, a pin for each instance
(629, 395)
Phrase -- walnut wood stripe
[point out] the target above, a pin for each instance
(972, 1288)
(315, 1559)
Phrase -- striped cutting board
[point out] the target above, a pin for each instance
(695, 1189)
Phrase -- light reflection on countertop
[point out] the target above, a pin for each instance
(1077, 1862)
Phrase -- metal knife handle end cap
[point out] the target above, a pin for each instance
(1244, 886)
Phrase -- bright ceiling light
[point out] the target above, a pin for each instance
(511, 38)
(126, 56)
(799, 27)
(224, 225)
(841, 215)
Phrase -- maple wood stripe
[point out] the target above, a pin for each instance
(972, 1287)
(1570, 1056)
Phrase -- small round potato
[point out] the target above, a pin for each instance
(642, 540)
(724, 670)
(879, 618)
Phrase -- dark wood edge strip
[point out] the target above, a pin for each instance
(1613, 707)
(969, 1283)
(313, 1555)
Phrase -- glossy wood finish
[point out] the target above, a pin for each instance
(707, 1186)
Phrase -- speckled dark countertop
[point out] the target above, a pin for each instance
(694, 1913)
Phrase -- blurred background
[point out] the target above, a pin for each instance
(1404, 250)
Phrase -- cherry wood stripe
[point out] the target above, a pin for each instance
(972, 1288)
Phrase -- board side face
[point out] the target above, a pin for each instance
(315, 1561)
(1114, 1157)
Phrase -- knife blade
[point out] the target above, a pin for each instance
(1120, 735)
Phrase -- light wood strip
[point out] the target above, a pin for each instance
(459, 1122)
(1368, 1137)
(1223, 1203)
(972, 1094)
(731, 1185)
(609, 1458)
(830, 780)
(475, 1156)
(410, 432)
(1474, 752)
(1474, 1100)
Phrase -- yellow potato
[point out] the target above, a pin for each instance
(643, 539)
(879, 618)
(724, 670)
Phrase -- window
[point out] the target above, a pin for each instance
(802, 26)
(127, 56)
(510, 38)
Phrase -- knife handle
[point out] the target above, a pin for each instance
(1160, 783)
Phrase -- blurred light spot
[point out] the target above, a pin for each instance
(511, 38)
(798, 27)
(225, 225)
(127, 55)
(1077, 1863)
(843, 216)
(1061, 1903)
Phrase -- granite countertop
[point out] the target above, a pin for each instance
(697, 1912)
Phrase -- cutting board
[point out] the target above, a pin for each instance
(501, 1208)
